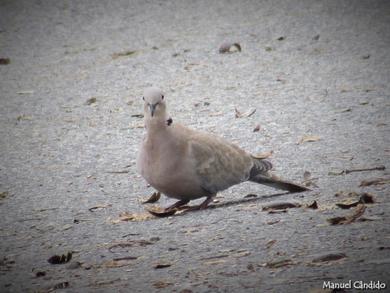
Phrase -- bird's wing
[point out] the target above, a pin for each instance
(218, 163)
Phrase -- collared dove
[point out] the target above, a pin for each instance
(186, 164)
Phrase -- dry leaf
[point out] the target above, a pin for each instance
(120, 246)
(123, 54)
(358, 212)
(313, 205)
(336, 172)
(5, 61)
(3, 194)
(329, 257)
(262, 155)
(229, 47)
(257, 128)
(364, 198)
(280, 206)
(23, 117)
(133, 217)
(99, 207)
(279, 263)
(162, 265)
(60, 259)
(215, 114)
(308, 138)
(270, 243)
(61, 285)
(119, 262)
(375, 181)
(161, 212)
(90, 101)
(273, 222)
(239, 114)
(153, 198)
(27, 92)
(162, 284)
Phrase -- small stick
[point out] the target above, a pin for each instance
(365, 169)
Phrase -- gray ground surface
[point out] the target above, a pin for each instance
(57, 152)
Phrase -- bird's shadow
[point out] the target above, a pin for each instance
(186, 209)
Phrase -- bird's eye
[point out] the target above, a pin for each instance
(162, 97)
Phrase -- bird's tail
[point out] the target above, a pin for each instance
(275, 182)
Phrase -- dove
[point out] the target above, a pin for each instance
(187, 164)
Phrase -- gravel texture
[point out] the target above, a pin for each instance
(68, 142)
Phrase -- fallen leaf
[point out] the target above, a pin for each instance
(329, 257)
(336, 172)
(249, 113)
(162, 265)
(123, 54)
(162, 284)
(364, 198)
(153, 198)
(118, 172)
(3, 194)
(61, 285)
(90, 101)
(345, 110)
(257, 128)
(268, 49)
(133, 217)
(60, 259)
(120, 262)
(270, 243)
(279, 263)
(313, 205)
(99, 207)
(229, 47)
(161, 212)
(367, 56)
(241, 253)
(40, 274)
(216, 114)
(25, 92)
(5, 61)
(280, 38)
(358, 212)
(375, 181)
(280, 206)
(273, 222)
(316, 37)
(308, 138)
(263, 155)
(125, 246)
(23, 117)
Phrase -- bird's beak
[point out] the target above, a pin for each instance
(152, 109)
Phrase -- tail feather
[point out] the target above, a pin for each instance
(275, 182)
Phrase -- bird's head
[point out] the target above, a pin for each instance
(154, 104)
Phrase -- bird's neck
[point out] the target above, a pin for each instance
(156, 125)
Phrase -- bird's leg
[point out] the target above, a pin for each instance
(177, 204)
(204, 204)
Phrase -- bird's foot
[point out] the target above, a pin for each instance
(177, 204)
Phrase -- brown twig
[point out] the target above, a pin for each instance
(347, 171)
